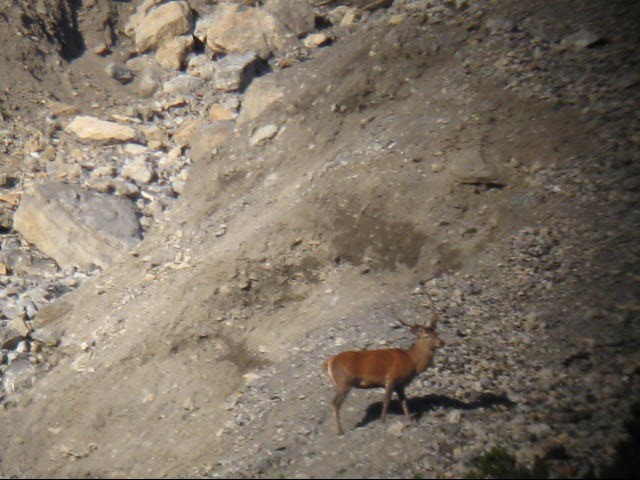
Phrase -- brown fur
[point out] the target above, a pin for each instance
(392, 369)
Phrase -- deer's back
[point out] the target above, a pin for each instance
(371, 368)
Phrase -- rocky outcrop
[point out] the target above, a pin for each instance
(76, 226)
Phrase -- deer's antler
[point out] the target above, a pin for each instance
(406, 324)
(434, 314)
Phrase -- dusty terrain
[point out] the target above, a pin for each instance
(472, 150)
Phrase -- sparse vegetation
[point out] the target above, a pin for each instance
(499, 463)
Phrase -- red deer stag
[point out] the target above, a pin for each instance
(392, 369)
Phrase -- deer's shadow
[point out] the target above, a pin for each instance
(419, 406)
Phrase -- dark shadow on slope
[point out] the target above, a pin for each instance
(57, 22)
(421, 405)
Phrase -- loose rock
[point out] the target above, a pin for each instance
(91, 128)
(263, 134)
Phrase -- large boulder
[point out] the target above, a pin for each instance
(233, 29)
(76, 226)
(162, 23)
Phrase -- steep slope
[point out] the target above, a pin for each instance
(397, 168)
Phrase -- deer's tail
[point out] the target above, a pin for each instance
(327, 367)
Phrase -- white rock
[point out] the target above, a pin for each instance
(263, 135)
(315, 40)
(396, 429)
(454, 416)
(138, 170)
(539, 429)
(135, 149)
(581, 39)
(91, 128)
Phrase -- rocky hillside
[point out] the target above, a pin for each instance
(202, 201)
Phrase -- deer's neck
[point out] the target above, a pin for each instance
(422, 354)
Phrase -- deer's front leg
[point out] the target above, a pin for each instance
(405, 404)
(387, 399)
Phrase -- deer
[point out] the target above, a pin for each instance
(392, 369)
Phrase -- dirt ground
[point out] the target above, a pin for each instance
(370, 192)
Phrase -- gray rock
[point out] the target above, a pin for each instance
(5, 180)
(50, 313)
(76, 226)
(18, 324)
(469, 167)
(30, 308)
(9, 337)
(12, 309)
(19, 375)
(500, 25)
(120, 73)
(235, 71)
(297, 15)
(6, 217)
(183, 84)
(124, 188)
(46, 336)
(202, 66)
(539, 430)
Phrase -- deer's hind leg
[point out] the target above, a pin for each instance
(341, 394)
